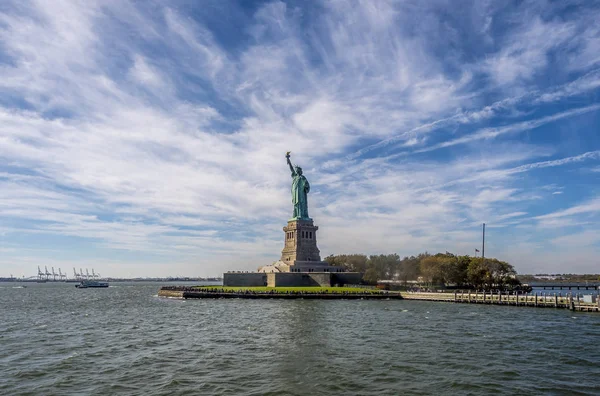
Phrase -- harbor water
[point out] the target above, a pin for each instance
(59, 340)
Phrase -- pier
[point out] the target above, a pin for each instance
(543, 300)
(566, 286)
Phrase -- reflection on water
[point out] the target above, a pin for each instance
(55, 339)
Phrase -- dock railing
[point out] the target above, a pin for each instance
(551, 300)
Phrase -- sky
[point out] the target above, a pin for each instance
(148, 138)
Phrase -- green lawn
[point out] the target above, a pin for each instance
(291, 289)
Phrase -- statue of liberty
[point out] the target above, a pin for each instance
(300, 189)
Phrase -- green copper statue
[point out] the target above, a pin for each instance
(300, 189)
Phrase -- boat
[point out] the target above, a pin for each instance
(90, 283)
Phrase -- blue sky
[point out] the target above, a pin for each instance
(148, 138)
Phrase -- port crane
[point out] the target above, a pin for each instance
(53, 275)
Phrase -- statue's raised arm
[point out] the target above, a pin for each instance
(287, 156)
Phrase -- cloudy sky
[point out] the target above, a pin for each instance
(148, 137)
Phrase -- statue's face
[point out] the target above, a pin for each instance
(298, 170)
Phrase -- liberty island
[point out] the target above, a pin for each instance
(300, 273)
(300, 262)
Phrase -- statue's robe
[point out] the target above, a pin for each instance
(300, 189)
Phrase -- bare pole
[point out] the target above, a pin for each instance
(483, 243)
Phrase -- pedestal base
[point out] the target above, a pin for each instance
(291, 279)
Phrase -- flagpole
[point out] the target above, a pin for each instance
(483, 244)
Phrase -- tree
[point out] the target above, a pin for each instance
(477, 273)
(431, 269)
(442, 268)
(371, 276)
(351, 262)
(455, 269)
(408, 268)
(500, 273)
(384, 265)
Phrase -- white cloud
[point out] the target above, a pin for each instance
(169, 142)
(144, 74)
(591, 206)
(526, 51)
(491, 133)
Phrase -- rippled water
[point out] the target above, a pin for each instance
(58, 340)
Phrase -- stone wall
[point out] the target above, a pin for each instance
(346, 278)
(247, 279)
(297, 279)
(321, 278)
(314, 266)
(291, 279)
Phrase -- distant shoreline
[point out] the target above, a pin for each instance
(217, 281)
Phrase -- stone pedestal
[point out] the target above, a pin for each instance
(300, 242)
(300, 263)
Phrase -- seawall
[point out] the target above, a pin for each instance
(191, 293)
(538, 301)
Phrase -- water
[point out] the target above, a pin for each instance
(59, 340)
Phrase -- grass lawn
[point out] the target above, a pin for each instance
(315, 289)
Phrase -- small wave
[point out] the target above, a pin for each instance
(71, 356)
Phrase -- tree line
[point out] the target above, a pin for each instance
(438, 269)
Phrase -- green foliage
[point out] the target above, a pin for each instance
(352, 262)
(303, 289)
(439, 269)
